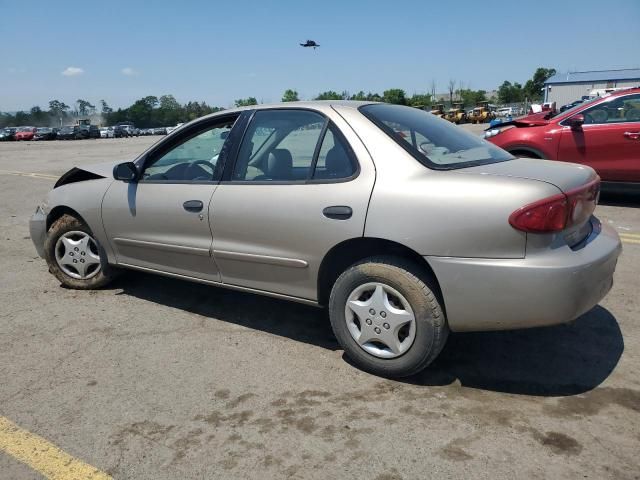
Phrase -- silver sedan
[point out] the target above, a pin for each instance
(402, 225)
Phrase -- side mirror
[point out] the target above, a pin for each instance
(576, 121)
(127, 172)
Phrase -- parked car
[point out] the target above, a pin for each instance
(70, 132)
(89, 131)
(570, 105)
(120, 132)
(505, 112)
(159, 131)
(603, 133)
(45, 133)
(401, 224)
(8, 134)
(106, 132)
(25, 133)
(171, 129)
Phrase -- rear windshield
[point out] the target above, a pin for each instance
(436, 143)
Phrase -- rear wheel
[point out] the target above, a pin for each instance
(74, 256)
(386, 316)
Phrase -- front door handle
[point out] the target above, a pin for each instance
(632, 135)
(193, 206)
(338, 212)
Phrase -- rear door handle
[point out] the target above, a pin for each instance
(193, 206)
(632, 135)
(338, 212)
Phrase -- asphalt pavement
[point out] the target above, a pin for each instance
(156, 378)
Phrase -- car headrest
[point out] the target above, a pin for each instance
(280, 164)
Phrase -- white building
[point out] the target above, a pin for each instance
(565, 88)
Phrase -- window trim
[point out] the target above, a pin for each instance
(183, 136)
(232, 158)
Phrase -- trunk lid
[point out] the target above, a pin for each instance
(564, 176)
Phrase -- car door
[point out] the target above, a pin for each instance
(608, 141)
(300, 184)
(161, 221)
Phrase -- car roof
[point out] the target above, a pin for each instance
(312, 104)
(626, 91)
(301, 104)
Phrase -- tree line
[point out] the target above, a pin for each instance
(152, 111)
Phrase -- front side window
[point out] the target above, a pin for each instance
(195, 159)
(435, 143)
(618, 110)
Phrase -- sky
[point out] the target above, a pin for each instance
(217, 51)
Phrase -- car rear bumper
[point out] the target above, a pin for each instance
(548, 288)
(38, 230)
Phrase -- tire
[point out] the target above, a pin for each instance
(97, 272)
(415, 287)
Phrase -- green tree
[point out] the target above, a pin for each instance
(329, 95)
(84, 107)
(290, 96)
(510, 93)
(245, 102)
(472, 97)
(395, 95)
(169, 112)
(58, 109)
(533, 87)
(420, 100)
(105, 108)
(38, 117)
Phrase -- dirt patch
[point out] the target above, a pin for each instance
(559, 443)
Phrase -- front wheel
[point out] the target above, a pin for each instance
(74, 256)
(386, 316)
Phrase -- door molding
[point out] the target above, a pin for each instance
(268, 259)
(167, 247)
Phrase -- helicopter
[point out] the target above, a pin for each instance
(310, 43)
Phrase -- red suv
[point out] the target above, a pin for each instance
(603, 133)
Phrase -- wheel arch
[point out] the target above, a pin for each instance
(60, 210)
(527, 151)
(353, 250)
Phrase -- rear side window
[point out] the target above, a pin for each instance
(436, 143)
(292, 145)
(335, 159)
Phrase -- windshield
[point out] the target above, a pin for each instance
(25, 129)
(67, 129)
(435, 143)
(44, 130)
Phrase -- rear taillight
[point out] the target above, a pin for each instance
(554, 214)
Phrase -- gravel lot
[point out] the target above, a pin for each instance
(155, 378)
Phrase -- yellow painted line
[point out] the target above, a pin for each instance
(629, 235)
(29, 174)
(632, 241)
(44, 457)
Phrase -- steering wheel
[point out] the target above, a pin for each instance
(192, 174)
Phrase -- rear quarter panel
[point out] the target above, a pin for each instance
(442, 213)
